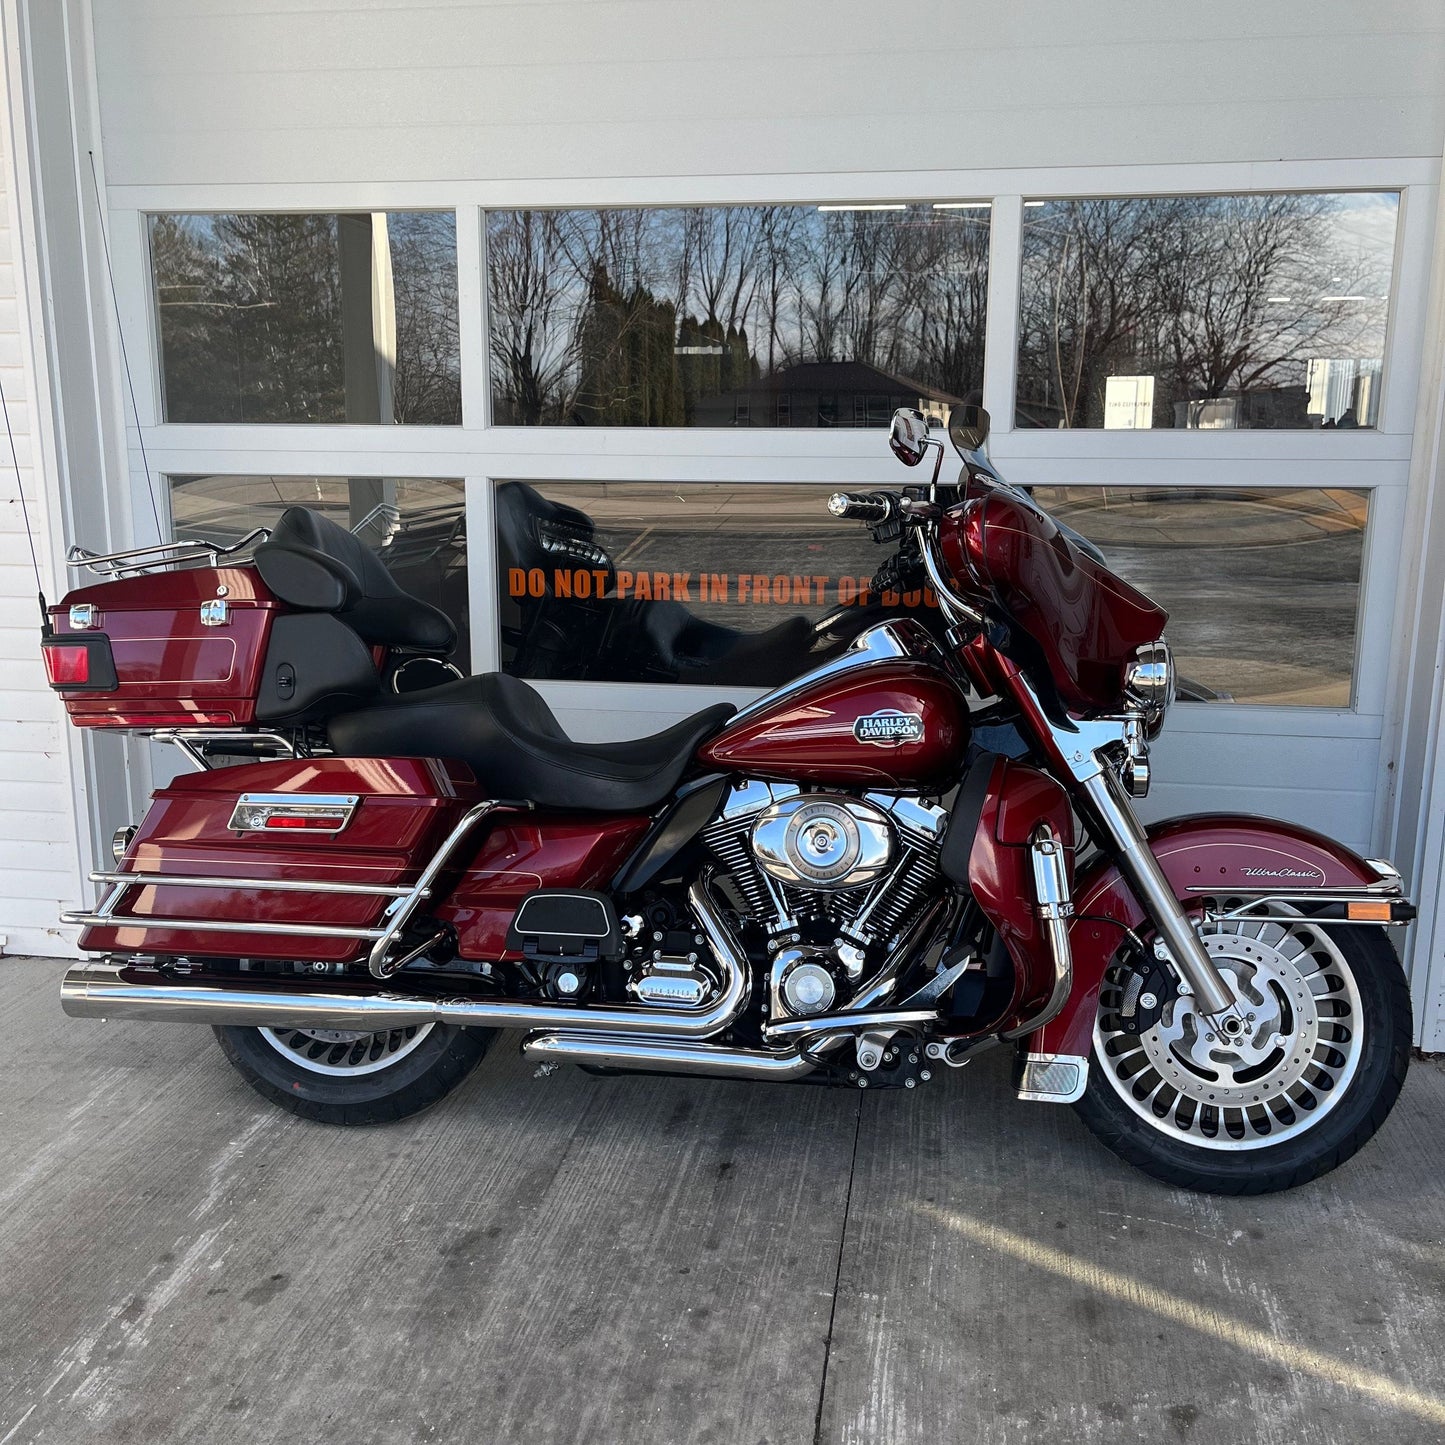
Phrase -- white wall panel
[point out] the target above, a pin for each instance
(39, 850)
(217, 93)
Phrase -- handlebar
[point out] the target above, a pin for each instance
(875, 508)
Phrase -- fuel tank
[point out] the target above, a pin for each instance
(895, 723)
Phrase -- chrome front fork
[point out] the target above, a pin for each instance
(1140, 867)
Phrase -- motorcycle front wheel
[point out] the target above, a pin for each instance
(342, 1077)
(1328, 1014)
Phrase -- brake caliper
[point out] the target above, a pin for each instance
(1149, 988)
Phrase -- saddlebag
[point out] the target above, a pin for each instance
(348, 835)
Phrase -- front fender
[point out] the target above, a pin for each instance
(1206, 850)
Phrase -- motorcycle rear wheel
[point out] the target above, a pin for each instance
(334, 1077)
(1317, 1078)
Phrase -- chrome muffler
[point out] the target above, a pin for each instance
(101, 989)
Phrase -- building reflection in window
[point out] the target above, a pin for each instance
(727, 316)
(1207, 312)
(308, 318)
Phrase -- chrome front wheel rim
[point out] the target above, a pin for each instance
(1304, 1037)
(345, 1053)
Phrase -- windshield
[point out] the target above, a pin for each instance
(1082, 622)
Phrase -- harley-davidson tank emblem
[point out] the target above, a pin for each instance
(889, 728)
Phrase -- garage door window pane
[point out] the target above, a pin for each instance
(736, 586)
(1208, 312)
(308, 318)
(417, 525)
(1262, 584)
(762, 316)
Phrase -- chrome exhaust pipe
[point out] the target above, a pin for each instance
(101, 989)
(713, 1061)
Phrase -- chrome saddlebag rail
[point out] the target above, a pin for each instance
(106, 989)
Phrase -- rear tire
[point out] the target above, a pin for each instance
(337, 1078)
(1344, 1047)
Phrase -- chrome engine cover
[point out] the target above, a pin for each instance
(824, 841)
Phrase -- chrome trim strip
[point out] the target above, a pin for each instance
(99, 989)
(275, 885)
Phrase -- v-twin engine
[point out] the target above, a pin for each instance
(831, 879)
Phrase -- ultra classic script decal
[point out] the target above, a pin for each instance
(889, 728)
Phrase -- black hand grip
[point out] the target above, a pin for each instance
(870, 507)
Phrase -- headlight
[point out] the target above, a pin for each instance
(1149, 681)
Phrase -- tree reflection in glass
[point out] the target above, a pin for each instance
(308, 317)
(735, 315)
(1205, 311)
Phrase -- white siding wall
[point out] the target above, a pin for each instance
(215, 91)
(39, 850)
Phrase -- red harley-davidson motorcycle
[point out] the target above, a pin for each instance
(835, 883)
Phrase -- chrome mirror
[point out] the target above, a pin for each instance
(908, 435)
(968, 428)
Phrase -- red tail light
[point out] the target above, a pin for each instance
(78, 662)
(293, 820)
(67, 665)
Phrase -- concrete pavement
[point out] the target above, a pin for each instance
(650, 1260)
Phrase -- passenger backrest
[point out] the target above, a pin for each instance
(312, 564)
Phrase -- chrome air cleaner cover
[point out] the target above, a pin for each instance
(823, 841)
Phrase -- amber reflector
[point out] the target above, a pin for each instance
(1369, 911)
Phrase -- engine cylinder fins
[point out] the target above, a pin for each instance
(823, 841)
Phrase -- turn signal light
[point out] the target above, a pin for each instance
(66, 666)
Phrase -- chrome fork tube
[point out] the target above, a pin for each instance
(1138, 864)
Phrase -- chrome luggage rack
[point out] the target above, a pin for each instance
(404, 899)
(160, 555)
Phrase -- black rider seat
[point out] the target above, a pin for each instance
(505, 732)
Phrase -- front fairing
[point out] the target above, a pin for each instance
(1082, 622)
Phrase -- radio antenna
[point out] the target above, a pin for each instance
(25, 513)
(124, 357)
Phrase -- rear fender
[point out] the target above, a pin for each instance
(1220, 851)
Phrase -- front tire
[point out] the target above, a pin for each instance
(339, 1077)
(1330, 1013)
